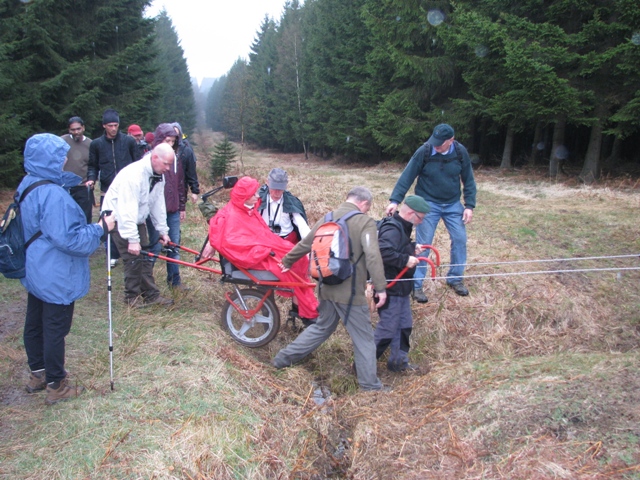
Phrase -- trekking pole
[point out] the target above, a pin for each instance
(106, 213)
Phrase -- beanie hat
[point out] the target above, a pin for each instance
(417, 204)
(441, 134)
(110, 116)
(134, 130)
(277, 179)
(149, 137)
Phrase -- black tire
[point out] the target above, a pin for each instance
(261, 328)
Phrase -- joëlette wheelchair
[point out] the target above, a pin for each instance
(250, 313)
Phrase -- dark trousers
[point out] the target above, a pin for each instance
(83, 197)
(394, 329)
(45, 327)
(138, 270)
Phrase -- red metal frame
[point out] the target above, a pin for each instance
(422, 259)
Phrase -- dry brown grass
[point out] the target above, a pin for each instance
(528, 377)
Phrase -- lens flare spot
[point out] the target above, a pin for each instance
(435, 17)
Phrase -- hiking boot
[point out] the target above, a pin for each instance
(37, 381)
(159, 300)
(114, 262)
(419, 296)
(62, 393)
(405, 367)
(460, 289)
(135, 302)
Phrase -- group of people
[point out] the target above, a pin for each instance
(144, 186)
(262, 227)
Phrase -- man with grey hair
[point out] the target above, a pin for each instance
(346, 301)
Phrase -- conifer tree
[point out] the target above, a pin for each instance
(223, 154)
(176, 101)
(261, 68)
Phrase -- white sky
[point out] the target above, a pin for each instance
(214, 33)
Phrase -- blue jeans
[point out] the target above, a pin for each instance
(451, 215)
(173, 269)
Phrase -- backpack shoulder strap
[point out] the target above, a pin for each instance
(26, 192)
(456, 146)
(31, 187)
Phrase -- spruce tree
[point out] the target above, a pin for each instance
(223, 154)
(176, 102)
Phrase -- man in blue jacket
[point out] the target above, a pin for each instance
(440, 165)
(57, 262)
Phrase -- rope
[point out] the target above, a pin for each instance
(537, 261)
(536, 272)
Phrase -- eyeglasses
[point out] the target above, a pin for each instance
(420, 216)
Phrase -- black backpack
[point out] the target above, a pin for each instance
(13, 248)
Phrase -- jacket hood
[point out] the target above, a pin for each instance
(163, 131)
(243, 191)
(44, 157)
(177, 125)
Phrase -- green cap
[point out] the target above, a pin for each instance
(417, 203)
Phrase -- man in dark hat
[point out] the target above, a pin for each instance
(109, 154)
(78, 163)
(398, 251)
(441, 165)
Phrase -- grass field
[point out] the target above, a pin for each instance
(533, 376)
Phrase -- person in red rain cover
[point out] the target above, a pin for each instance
(240, 234)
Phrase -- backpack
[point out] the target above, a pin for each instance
(13, 248)
(331, 250)
(429, 158)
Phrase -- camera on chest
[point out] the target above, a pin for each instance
(274, 228)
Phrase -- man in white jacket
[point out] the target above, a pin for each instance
(136, 193)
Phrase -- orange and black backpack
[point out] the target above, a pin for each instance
(331, 261)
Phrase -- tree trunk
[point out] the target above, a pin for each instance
(304, 144)
(612, 161)
(485, 141)
(537, 142)
(508, 148)
(591, 167)
(557, 145)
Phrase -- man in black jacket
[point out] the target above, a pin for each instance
(109, 154)
(398, 251)
(188, 157)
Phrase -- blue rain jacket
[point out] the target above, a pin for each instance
(58, 262)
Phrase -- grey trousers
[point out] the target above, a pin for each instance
(359, 328)
(138, 270)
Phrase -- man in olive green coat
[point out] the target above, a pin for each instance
(335, 300)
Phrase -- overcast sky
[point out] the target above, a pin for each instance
(213, 33)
